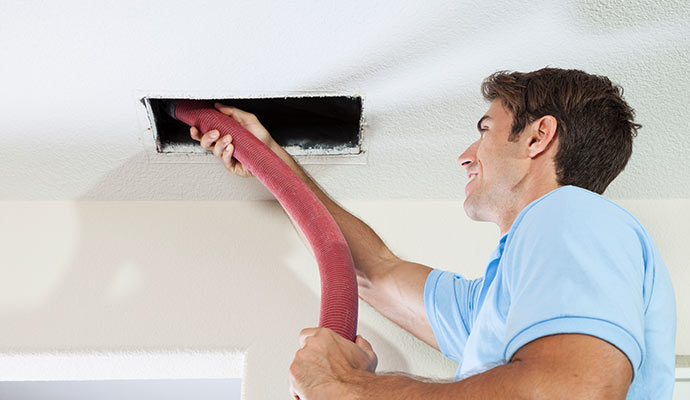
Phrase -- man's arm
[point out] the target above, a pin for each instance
(554, 367)
(392, 286)
(561, 366)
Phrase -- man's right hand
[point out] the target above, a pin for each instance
(223, 148)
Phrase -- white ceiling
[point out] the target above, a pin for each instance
(72, 74)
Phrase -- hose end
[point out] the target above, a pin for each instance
(169, 107)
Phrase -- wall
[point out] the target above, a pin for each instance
(227, 277)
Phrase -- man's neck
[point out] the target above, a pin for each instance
(507, 217)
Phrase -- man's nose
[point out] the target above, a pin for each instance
(469, 156)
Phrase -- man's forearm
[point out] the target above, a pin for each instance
(367, 248)
(530, 378)
(505, 381)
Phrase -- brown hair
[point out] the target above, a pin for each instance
(595, 125)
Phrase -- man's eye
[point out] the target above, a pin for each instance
(482, 130)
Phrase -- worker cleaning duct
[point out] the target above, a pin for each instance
(575, 301)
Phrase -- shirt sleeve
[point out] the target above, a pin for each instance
(450, 301)
(576, 272)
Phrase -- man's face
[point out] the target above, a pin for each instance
(493, 166)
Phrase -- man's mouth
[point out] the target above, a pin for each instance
(472, 175)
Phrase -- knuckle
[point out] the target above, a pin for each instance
(206, 142)
(299, 354)
(321, 332)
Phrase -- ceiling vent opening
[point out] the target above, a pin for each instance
(329, 125)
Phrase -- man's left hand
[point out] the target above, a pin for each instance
(326, 364)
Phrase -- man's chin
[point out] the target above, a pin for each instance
(470, 208)
(474, 208)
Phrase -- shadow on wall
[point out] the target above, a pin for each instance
(181, 276)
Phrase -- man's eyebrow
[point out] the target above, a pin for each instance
(479, 124)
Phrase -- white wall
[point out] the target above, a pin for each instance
(169, 277)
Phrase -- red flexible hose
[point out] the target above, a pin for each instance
(336, 268)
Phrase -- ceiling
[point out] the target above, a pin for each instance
(73, 73)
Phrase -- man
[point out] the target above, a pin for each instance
(575, 301)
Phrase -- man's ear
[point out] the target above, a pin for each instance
(542, 135)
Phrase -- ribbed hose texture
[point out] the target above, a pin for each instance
(336, 268)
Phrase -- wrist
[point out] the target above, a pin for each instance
(284, 155)
(273, 145)
(357, 385)
(363, 385)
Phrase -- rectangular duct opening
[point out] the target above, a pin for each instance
(302, 125)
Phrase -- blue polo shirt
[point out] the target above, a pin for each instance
(572, 262)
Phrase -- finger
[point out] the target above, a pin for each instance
(228, 161)
(194, 133)
(293, 385)
(209, 139)
(220, 145)
(241, 116)
(305, 333)
(363, 344)
(233, 165)
(293, 394)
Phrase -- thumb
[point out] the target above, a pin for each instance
(241, 116)
(363, 344)
(247, 120)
